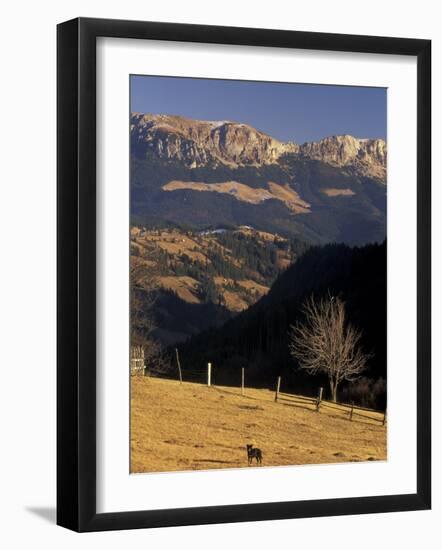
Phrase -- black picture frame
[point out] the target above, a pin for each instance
(76, 274)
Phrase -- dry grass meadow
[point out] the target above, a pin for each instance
(193, 427)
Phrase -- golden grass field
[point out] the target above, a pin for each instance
(244, 193)
(193, 427)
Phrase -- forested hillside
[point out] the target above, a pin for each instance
(257, 339)
(232, 229)
(202, 278)
(302, 198)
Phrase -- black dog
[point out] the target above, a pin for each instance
(254, 453)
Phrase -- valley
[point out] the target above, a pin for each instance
(258, 273)
(231, 230)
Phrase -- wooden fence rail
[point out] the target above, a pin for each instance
(318, 402)
(137, 368)
(354, 411)
(137, 361)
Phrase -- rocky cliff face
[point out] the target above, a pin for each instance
(362, 156)
(198, 143)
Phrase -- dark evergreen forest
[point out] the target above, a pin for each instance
(257, 338)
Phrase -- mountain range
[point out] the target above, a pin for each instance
(238, 228)
(217, 174)
(198, 143)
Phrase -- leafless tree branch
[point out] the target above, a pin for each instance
(143, 295)
(325, 343)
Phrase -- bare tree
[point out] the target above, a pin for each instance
(325, 343)
(143, 294)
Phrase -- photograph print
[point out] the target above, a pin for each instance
(258, 277)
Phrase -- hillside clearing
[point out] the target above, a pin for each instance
(245, 193)
(332, 192)
(185, 288)
(192, 427)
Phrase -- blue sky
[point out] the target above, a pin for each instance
(286, 111)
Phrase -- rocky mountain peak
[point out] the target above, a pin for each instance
(363, 156)
(198, 143)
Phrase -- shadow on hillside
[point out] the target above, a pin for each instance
(214, 461)
(177, 319)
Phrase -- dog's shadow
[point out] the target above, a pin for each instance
(214, 461)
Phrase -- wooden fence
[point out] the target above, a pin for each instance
(137, 361)
(348, 410)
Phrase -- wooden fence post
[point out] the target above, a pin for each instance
(351, 412)
(278, 385)
(242, 381)
(318, 401)
(209, 374)
(137, 367)
(179, 365)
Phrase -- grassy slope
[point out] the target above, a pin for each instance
(177, 243)
(192, 427)
(354, 219)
